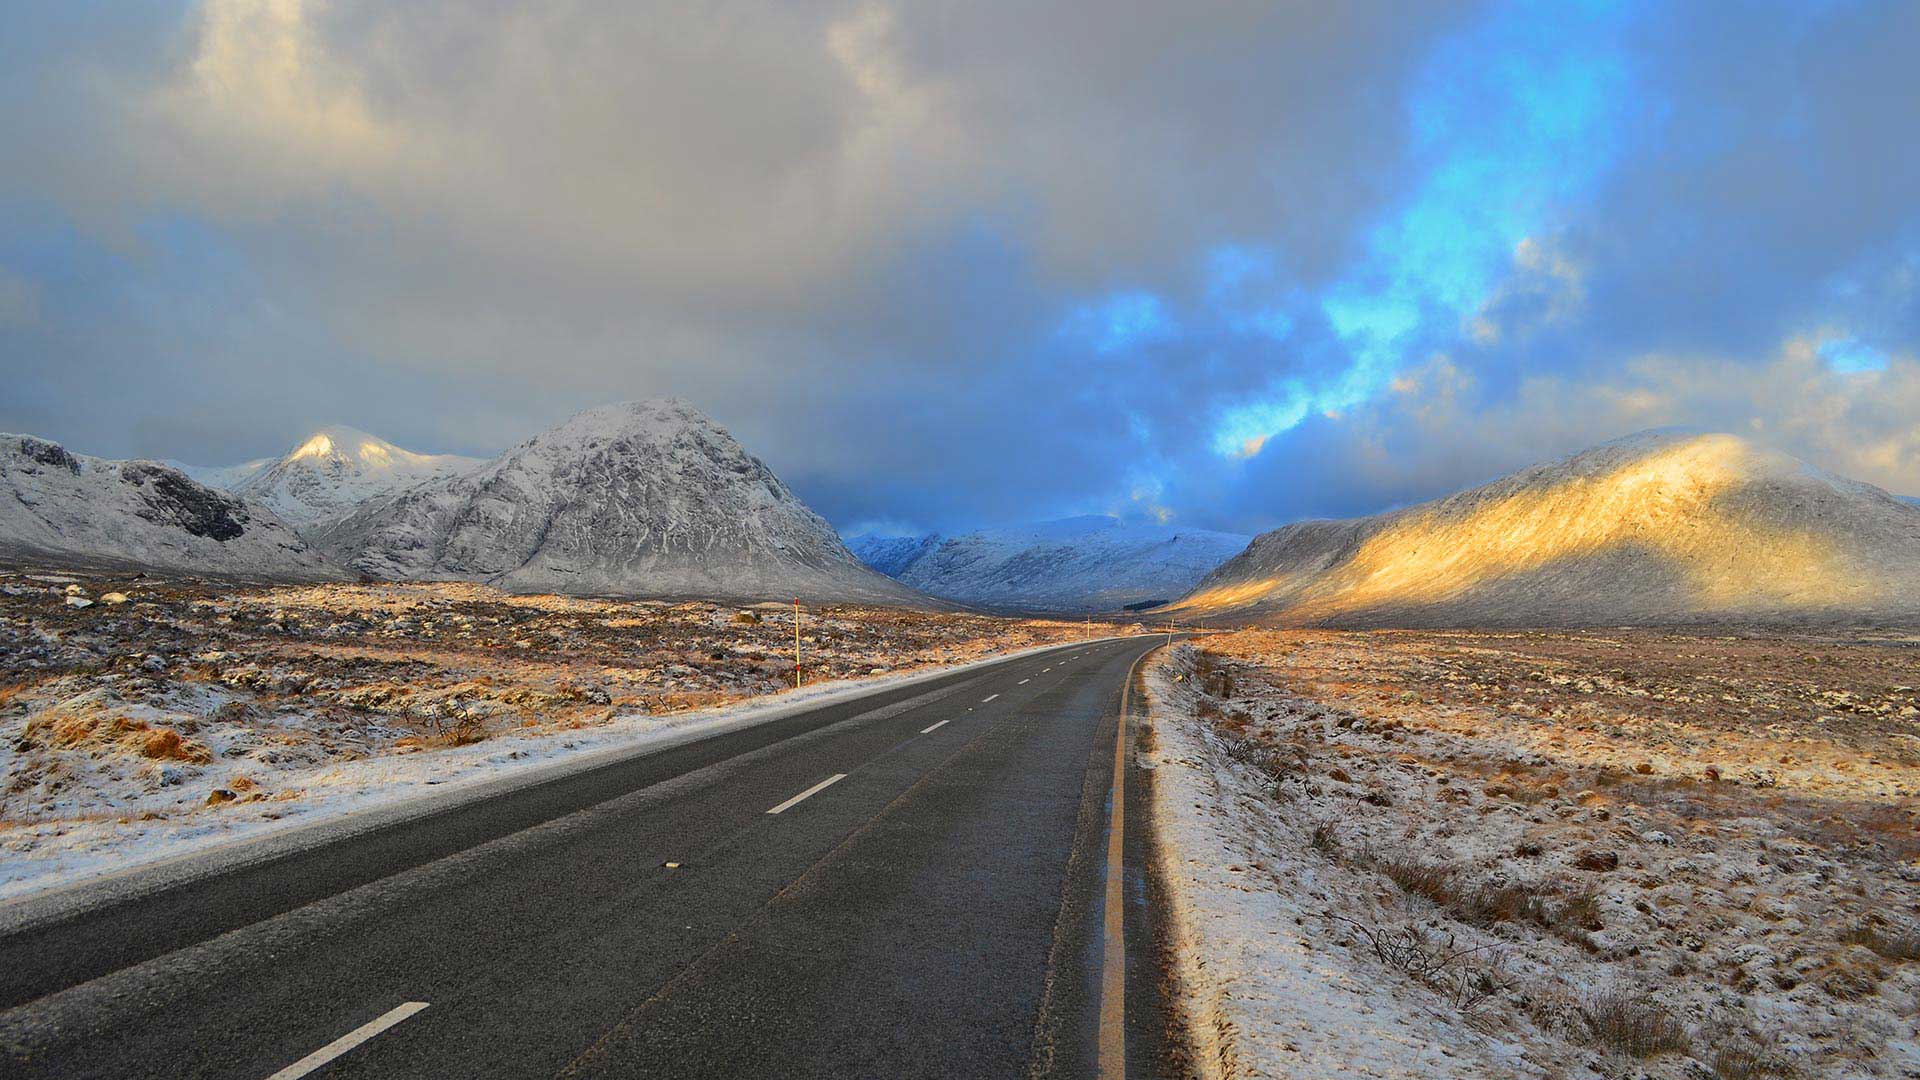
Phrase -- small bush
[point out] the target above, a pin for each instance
(1467, 976)
(1417, 878)
(1746, 1061)
(1325, 840)
(1630, 1025)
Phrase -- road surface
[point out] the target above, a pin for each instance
(913, 883)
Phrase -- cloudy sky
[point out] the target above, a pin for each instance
(948, 263)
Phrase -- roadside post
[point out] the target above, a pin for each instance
(796, 643)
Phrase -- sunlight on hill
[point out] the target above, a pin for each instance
(318, 446)
(1672, 505)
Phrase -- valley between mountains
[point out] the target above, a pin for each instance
(1604, 768)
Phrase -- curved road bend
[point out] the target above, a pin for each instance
(912, 883)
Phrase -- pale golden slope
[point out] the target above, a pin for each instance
(1653, 528)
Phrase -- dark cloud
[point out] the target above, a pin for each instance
(951, 263)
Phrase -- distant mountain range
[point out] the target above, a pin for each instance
(1081, 564)
(1661, 527)
(644, 499)
(655, 499)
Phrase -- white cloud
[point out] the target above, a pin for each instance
(266, 95)
(1449, 431)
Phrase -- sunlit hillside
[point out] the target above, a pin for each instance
(1656, 527)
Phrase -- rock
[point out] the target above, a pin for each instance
(75, 590)
(79, 602)
(1597, 861)
(1657, 837)
(220, 795)
(114, 598)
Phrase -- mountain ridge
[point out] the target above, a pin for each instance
(75, 509)
(1656, 527)
(637, 498)
(333, 471)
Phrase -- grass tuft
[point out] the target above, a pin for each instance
(1631, 1025)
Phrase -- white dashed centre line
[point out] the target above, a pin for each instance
(930, 730)
(988, 698)
(809, 793)
(348, 1041)
(1024, 682)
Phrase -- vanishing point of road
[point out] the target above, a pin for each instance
(938, 879)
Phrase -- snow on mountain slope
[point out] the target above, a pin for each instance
(648, 499)
(891, 555)
(69, 508)
(1092, 563)
(330, 474)
(224, 477)
(1660, 527)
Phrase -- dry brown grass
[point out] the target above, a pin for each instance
(1566, 910)
(166, 744)
(1629, 1024)
(1745, 1060)
(91, 731)
(1701, 793)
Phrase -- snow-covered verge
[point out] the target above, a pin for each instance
(169, 716)
(1266, 993)
(1543, 855)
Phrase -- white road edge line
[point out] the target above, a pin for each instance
(988, 698)
(348, 1041)
(929, 730)
(812, 791)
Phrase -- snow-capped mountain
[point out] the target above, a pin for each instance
(1660, 527)
(646, 499)
(330, 474)
(1092, 563)
(69, 508)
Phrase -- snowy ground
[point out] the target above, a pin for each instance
(168, 716)
(1544, 855)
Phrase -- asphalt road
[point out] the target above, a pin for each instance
(912, 883)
